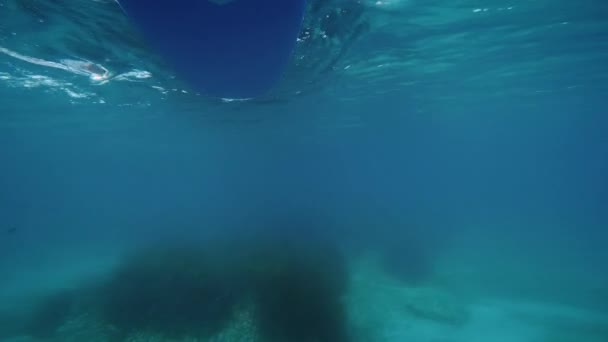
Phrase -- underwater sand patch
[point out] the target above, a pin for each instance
(382, 308)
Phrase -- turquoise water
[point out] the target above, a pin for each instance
(434, 171)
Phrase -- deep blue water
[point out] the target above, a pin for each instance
(464, 142)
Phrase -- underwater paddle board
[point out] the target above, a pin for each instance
(222, 48)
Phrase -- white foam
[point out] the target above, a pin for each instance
(95, 72)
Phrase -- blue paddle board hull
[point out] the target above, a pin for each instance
(238, 49)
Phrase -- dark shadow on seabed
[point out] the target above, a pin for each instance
(291, 283)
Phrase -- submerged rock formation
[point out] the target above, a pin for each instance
(266, 286)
